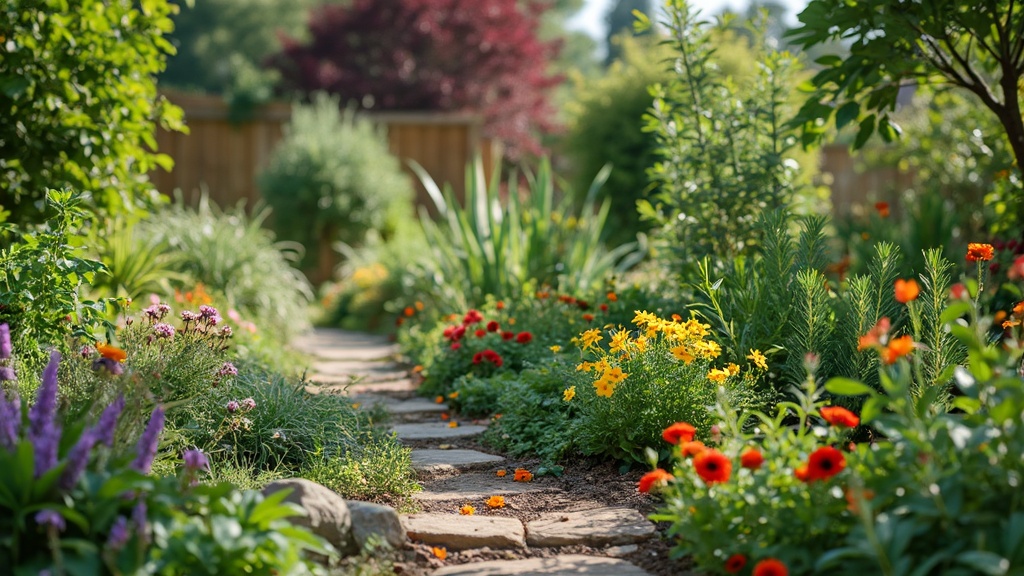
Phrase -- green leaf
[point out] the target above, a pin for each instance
(867, 127)
(848, 387)
(847, 113)
(954, 311)
(984, 562)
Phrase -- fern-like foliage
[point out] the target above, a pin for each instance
(942, 352)
(811, 324)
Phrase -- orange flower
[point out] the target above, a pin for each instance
(735, 563)
(874, 336)
(523, 475)
(612, 297)
(409, 311)
(802, 473)
(687, 449)
(898, 348)
(445, 416)
(770, 567)
(588, 317)
(496, 502)
(824, 463)
(453, 424)
(679, 432)
(649, 480)
(839, 416)
(751, 458)
(906, 290)
(501, 473)
(854, 495)
(439, 399)
(440, 553)
(111, 352)
(882, 208)
(979, 252)
(712, 466)
(500, 305)
(467, 510)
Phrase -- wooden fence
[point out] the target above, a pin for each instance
(225, 158)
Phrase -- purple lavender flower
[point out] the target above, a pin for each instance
(227, 369)
(156, 312)
(248, 404)
(189, 316)
(139, 521)
(109, 364)
(10, 421)
(145, 450)
(164, 330)
(5, 341)
(77, 460)
(50, 518)
(104, 429)
(232, 406)
(43, 432)
(118, 535)
(7, 373)
(196, 460)
(208, 311)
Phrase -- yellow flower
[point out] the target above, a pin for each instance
(682, 353)
(718, 375)
(708, 348)
(602, 365)
(615, 375)
(569, 393)
(467, 510)
(604, 387)
(453, 424)
(454, 395)
(641, 343)
(496, 502)
(758, 359)
(441, 553)
(644, 318)
(584, 366)
(620, 341)
(591, 337)
(556, 348)
(732, 369)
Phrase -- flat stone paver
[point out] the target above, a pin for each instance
(599, 527)
(476, 487)
(436, 431)
(457, 532)
(569, 564)
(336, 344)
(434, 461)
(342, 372)
(399, 385)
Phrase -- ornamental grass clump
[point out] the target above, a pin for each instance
(634, 382)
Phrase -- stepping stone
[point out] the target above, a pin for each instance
(596, 528)
(334, 344)
(364, 387)
(413, 407)
(569, 564)
(477, 487)
(435, 461)
(457, 532)
(341, 372)
(436, 431)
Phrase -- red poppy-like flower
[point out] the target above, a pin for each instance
(735, 563)
(478, 357)
(882, 208)
(839, 416)
(980, 252)
(456, 345)
(507, 335)
(679, 432)
(712, 466)
(875, 335)
(802, 473)
(500, 305)
(493, 326)
(480, 333)
(824, 463)
(583, 304)
(906, 290)
(603, 307)
(687, 449)
(409, 311)
(770, 567)
(524, 337)
(898, 348)
(751, 458)
(472, 317)
(588, 317)
(656, 476)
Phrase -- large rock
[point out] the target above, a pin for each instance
(369, 519)
(597, 528)
(327, 514)
(463, 532)
(567, 565)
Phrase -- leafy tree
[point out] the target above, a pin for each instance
(79, 102)
(620, 21)
(976, 46)
(439, 55)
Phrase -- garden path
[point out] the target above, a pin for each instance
(539, 529)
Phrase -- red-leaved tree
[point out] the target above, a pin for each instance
(440, 55)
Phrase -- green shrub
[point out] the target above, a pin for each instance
(332, 178)
(381, 471)
(80, 103)
(231, 253)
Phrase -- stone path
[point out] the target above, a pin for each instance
(367, 368)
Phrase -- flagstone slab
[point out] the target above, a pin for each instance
(397, 385)
(436, 431)
(435, 461)
(566, 565)
(457, 532)
(476, 487)
(357, 369)
(335, 344)
(597, 528)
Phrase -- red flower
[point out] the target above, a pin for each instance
(875, 335)
(583, 304)
(588, 317)
(979, 252)
(735, 563)
(770, 567)
(883, 209)
(802, 473)
(524, 337)
(958, 291)
(603, 307)
(679, 432)
(656, 476)
(493, 326)
(480, 333)
(687, 449)
(478, 357)
(898, 348)
(712, 466)
(824, 463)
(906, 290)
(409, 311)
(500, 305)
(507, 335)
(472, 317)
(456, 346)
(751, 458)
(839, 416)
